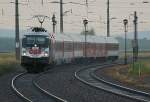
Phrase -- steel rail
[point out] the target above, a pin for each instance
(104, 85)
(57, 99)
(26, 99)
(16, 90)
(134, 91)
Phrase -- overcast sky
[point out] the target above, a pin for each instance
(119, 9)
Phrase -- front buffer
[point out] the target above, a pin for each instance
(34, 64)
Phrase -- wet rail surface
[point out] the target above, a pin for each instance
(25, 86)
(87, 76)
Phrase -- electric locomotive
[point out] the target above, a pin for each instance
(35, 49)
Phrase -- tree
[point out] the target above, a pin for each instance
(89, 32)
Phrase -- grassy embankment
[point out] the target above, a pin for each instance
(134, 77)
(7, 63)
(140, 68)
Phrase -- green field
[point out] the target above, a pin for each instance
(140, 67)
(130, 53)
(7, 63)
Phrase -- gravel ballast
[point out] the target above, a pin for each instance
(62, 82)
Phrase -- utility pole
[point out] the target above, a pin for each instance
(108, 20)
(135, 48)
(125, 21)
(61, 16)
(54, 22)
(17, 30)
(85, 22)
(42, 2)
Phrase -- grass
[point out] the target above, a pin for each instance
(130, 77)
(7, 63)
(141, 54)
(140, 67)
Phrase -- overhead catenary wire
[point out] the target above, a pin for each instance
(33, 10)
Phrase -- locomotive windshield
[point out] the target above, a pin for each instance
(30, 41)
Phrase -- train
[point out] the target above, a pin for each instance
(40, 48)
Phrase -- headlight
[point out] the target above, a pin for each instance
(46, 54)
(24, 53)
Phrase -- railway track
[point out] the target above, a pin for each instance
(25, 86)
(88, 77)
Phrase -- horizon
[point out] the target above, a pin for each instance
(145, 34)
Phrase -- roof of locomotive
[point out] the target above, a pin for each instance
(36, 31)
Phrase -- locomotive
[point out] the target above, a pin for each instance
(40, 48)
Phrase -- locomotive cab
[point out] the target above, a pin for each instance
(35, 48)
